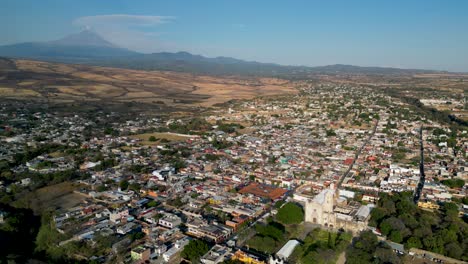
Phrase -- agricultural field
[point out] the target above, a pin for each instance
(81, 84)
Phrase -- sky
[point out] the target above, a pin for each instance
(419, 34)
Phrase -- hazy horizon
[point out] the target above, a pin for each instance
(418, 35)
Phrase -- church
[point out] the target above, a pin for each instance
(330, 210)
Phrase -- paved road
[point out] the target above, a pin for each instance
(422, 175)
(358, 152)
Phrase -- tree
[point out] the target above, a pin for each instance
(134, 187)
(263, 244)
(377, 214)
(450, 209)
(385, 255)
(385, 228)
(413, 242)
(152, 139)
(153, 203)
(396, 236)
(279, 203)
(274, 230)
(101, 188)
(367, 249)
(454, 250)
(331, 241)
(194, 250)
(137, 235)
(290, 213)
(123, 185)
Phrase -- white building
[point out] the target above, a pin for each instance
(169, 221)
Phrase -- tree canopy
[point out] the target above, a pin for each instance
(403, 222)
(454, 183)
(123, 185)
(194, 250)
(367, 249)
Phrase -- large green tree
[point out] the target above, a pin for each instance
(194, 250)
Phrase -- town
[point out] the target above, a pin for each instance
(276, 179)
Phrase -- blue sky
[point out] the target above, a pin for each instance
(399, 33)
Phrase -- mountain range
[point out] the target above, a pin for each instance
(88, 47)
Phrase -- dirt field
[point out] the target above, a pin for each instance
(55, 197)
(81, 83)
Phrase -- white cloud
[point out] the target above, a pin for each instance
(121, 20)
(135, 32)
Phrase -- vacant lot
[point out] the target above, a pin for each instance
(54, 197)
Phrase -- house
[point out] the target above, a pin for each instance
(217, 254)
(428, 205)
(140, 254)
(117, 216)
(159, 249)
(247, 258)
(168, 255)
(127, 228)
(370, 198)
(170, 221)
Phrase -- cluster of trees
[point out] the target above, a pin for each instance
(432, 113)
(138, 168)
(290, 213)
(450, 137)
(31, 153)
(321, 246)
(17, 234)
(194, 250)
(196, 124)
(25, 236)
(228, 127)
(124, 185)
(330, 133)
(48, 238)
(176, 202)
(367, 249)
(220, 144)
(176, 157)
(365, 117)
(454, 183)
(212, 157)
(402, 221)
(399, 153)
(268, 237)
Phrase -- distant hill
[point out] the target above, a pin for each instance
(84, 38)
(87, 47)
(78, 48)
